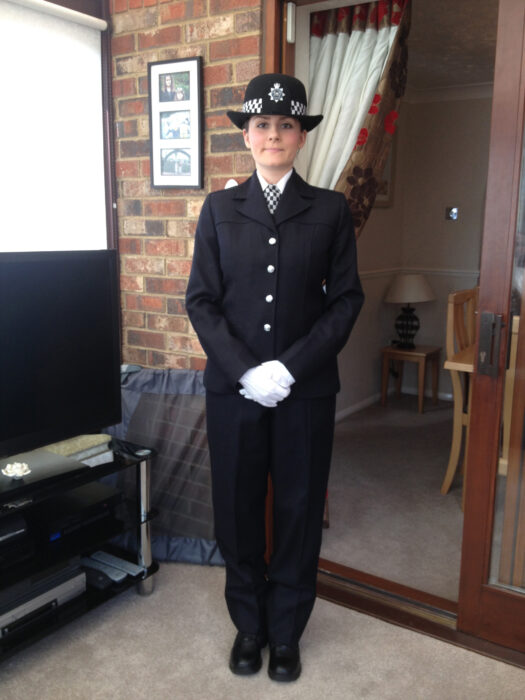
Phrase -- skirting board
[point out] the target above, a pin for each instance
(354, 408)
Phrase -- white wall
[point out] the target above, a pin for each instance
(441, 161)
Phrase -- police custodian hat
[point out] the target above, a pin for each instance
(275, 93)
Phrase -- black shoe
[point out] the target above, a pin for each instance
(245, 657)
(285, 663)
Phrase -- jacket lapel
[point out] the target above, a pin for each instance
(250, 202)
(297, 197)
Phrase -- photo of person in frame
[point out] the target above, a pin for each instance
(166, 88)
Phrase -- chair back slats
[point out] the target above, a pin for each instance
(461, 320)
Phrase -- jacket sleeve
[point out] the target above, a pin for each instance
(204, 303)
(344, 299)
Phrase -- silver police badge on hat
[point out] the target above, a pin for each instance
(276, 93)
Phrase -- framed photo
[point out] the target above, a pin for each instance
(175, 110)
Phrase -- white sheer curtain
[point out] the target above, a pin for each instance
(345, 68)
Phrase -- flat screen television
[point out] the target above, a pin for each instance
(59, 346)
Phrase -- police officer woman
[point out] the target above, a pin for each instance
(273, 295)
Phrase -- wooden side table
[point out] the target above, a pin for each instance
(421, 354)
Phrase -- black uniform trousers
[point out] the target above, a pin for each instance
(293, 443)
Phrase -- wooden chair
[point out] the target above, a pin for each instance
(460, 338)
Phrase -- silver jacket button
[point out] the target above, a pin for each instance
(269, 298)
(270, 268)
(267, 327)
(272, 240)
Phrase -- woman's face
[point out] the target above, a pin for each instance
(274, 142)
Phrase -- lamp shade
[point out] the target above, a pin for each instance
(409, 289)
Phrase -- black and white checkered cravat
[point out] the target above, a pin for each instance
(272, 194)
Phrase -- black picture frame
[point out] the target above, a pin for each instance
(175, 110)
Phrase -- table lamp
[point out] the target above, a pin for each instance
(408, 289)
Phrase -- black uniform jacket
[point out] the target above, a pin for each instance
(282, 287)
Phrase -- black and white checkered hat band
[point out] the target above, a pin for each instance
(297, 108)
(253, 106)
(256, 107)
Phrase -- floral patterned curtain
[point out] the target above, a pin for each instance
(358, 62)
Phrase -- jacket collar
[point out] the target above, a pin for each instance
(250, 201)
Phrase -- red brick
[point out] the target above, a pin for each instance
(217, 120)
(184, 343)
(166, 247)
(143, 302)
(176, 306)
(130, 283)
(154, 227)
(135, 4)
(150, 3)
(141, 265)
(197, 8)
(181, 228)
(216, 75)
(145, 168)
(135, 356)
(134, 318)
(247, 22)
(227, 96)
(147, 339)
(178, 268)
(124, 88)
(122, 44)
(217, 6)
(218, 165)
(173, 11)
(162, 285)
(173, 324)
(243, 46)
(198, 363)
(130, 207)
(143, 85)
(223, 143)
(246, 70)
(130, 246)
(167, 361)
(130, 108)
(135, 188)
(126, 129)
(161, 37)
(164, 207)
(127, 168)
(120, 5)
(134, 149)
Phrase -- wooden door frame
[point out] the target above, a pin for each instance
(380, 597)
(484, 610)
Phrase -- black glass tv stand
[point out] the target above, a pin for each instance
(61, 526)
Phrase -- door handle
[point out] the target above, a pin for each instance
(490, 326)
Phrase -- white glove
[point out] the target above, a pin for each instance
(259, 386)
(279, 373)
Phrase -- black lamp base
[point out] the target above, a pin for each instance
(407, 325)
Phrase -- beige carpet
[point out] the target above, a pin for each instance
(175, 644)
(387, 514)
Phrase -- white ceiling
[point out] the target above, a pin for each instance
(451, 43)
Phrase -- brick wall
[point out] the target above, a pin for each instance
(157, 226)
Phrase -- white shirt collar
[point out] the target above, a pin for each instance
(281, 184)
